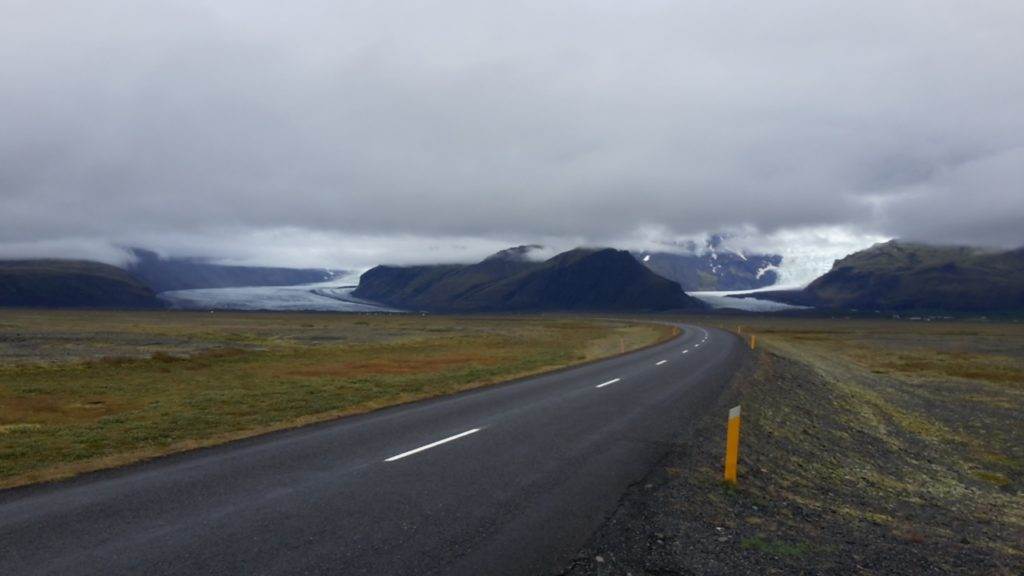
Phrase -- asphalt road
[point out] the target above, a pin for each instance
(529, 470)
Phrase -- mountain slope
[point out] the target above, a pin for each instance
(164, 274)
(714, 267)
(440, 286)
(581, 279)
(721, 271)
(905, 276)
(71, 284)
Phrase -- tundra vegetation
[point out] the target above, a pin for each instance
(87, 390)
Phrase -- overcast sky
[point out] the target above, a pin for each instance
(342, 133)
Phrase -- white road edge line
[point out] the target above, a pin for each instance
(432, 445)
(660, 363)
(608, 383)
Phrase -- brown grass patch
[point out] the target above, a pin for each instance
(57, 409)
(398, 365)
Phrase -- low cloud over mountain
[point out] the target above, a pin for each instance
(344, 135)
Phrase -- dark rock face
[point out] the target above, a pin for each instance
(581, 279)
(164, 274)
(898, 276)
(414, 286)
(71, 284)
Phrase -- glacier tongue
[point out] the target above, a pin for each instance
(322, 297)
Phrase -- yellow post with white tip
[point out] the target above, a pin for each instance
(732, 445)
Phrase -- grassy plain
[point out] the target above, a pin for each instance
(87, 390)
(949, 391)
(906, 434)
(911, 431)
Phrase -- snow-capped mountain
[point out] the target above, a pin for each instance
(714, 266)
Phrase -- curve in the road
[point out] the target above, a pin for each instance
(507, 479)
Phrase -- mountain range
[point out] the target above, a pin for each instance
(714, 267)
(57, 283)
(902, 276)
(579, 279)
(164, 274)
(890, 277)
(71, 284)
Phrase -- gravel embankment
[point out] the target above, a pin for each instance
(830, 483)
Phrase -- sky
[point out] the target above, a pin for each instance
(349, 133)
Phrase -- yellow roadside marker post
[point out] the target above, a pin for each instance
(732, 445)
(739, 329)
(622, 345)
(753, 341)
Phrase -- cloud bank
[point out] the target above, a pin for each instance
(356, 132)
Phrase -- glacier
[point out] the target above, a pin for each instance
(319, 297)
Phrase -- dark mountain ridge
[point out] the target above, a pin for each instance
(163, 274)
(53, 283)
(580, 279)
(902, 276)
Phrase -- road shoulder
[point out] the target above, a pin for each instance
(823, 489)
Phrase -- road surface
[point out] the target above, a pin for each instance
(509, 479)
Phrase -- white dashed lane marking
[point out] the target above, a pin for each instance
(432, 445)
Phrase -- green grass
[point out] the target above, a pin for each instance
(86, 390)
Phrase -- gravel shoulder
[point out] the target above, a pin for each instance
(859, 455)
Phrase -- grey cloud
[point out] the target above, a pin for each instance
(129, 121)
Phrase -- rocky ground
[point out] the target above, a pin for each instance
(847, 467)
